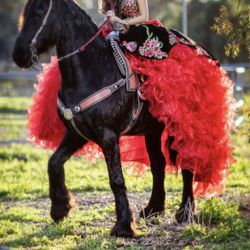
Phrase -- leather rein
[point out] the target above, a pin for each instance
(69, 113)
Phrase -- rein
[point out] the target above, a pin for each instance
(83, 46)
(33, 49)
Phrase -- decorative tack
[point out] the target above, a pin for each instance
(68, 114)
(77, 109)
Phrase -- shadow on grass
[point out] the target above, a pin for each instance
(42, 237)
(34, 195)
(17, 111)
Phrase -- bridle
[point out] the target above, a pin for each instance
(33, 44)
(33, 49)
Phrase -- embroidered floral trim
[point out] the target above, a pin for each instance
(130, 46)
(173, 39)
(152, 47)
(129, 8)
(202, 51)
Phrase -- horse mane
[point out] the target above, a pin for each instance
(81, 17)
(79, 14)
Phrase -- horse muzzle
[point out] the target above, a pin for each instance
(21, 54)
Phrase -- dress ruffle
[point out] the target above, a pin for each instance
(193, 97)
(187, 91)
(44, 125)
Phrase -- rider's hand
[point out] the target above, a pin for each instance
(114, 19)
(113, 35)
(110, 13)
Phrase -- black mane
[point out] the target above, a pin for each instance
(82, 19)
(79, 14)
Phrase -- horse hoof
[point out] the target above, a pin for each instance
(149, 212)
(59, 212)
(123, 229)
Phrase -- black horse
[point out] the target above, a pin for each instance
(83, 74)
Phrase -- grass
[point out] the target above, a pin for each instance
(223, 223)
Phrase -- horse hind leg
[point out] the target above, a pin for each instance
(186, 210)
(61, 199)
(157, 163)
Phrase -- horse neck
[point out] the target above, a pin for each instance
(89, 70)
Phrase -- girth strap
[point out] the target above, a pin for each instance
(135, 115)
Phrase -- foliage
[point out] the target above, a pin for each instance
(218, 221)
(234, 22)
(246, 114)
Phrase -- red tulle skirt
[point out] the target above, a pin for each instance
(188, 92)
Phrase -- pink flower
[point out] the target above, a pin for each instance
(149, 53)
(130, 46)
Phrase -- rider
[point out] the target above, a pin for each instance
(185, 87)
(150, 39)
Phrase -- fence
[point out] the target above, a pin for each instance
(240, 74)
(16, 82)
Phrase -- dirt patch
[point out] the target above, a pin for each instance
(244, 207)
(87, 200)
(162, 233)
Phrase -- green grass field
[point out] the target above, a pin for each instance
(224, 222)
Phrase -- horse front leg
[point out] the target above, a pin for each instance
(111, 152)
(61, 199)
(185, 212)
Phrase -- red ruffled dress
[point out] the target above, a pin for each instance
(187, 90)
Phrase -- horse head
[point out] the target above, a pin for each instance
(40, 26)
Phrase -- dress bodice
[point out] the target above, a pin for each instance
(129, 8)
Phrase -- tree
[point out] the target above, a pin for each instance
(234, 22)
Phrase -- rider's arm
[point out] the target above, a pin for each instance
(144, 14)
